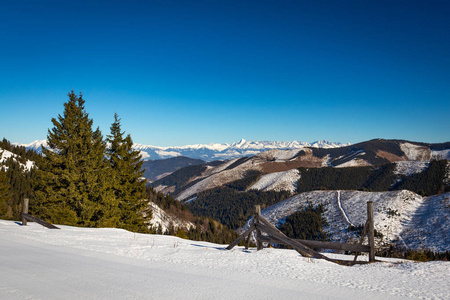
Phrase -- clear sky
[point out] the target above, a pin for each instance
(190, 72)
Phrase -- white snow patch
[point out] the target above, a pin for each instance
(442, 154)
(5, 154)
(278, 181)
(164, 220)
(167, 153)
(415, 152)
(409, 168)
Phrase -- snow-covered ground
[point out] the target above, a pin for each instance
(403, 217)
(164, 220)
(88, 263)
(5, 154)
(278, 181)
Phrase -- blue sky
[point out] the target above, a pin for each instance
(190, 72)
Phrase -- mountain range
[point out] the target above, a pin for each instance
(210, 152)
(408, 182)
(410, 158)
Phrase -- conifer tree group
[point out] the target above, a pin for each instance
(81, 181)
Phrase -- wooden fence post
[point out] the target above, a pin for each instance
(371, 231)
(259, 244)
(25, 211)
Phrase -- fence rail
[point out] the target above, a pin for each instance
(306, 247)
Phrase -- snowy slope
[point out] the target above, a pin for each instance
(162, 219)
(89, 263)
(5, 154)
(403, 217)
(278, 181)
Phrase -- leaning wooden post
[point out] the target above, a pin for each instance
(25, 211)
(259, 244)
(371, 231)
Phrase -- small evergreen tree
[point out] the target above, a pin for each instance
(73, 185)
(129, 188)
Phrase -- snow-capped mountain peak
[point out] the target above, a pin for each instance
(209, 152)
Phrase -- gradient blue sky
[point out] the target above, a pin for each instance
(189, 72)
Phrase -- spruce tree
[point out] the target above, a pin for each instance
(129, 188)
(74, 177)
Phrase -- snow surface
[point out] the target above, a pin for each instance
(278, 181)
(164, 220)
(90, 263)
(416, 152)
(403, 217)
(5, 154)
(442, 154)
(409, 168)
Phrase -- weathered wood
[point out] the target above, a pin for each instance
(302, 249)
(323, 245)
(362, 239)
(247, 245)
(39, 221)
(241, 237)
(259, 244)
(371, 231)
(25, 211)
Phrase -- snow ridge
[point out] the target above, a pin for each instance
(213, 151)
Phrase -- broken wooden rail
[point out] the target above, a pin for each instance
(306, 247)
(26, 216)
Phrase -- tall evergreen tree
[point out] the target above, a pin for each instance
(74, 177)
(129, 188)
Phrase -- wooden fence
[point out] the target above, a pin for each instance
(305, 247)
(26, 216)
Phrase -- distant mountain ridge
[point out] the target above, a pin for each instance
(213, 151)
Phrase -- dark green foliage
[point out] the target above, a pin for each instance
(299, 154)
(427, 183)
(206, 229)
(238, 162)
(417, 255)
(154, 168)
(74, 184)
(250, 177)
(17, 184)
(128, 186)
(360, 230)
(370, 149)
(352, 178)
(438, 147)
(3, 193)
(306, 224)
(379, 178)
(232, 207)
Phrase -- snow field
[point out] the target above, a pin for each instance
(402, 217)
(88, 263)
(278, 181)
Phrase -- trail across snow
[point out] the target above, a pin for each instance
(338, 196)
(89, 263)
